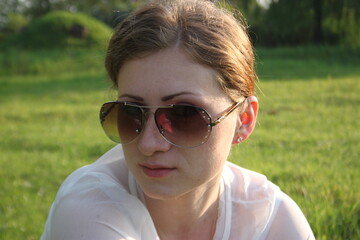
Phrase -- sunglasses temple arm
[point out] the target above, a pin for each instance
(227, 113)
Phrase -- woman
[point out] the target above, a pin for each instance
(184, 71)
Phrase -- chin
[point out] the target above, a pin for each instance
(163, 192)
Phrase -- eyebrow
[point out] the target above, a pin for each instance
(169, 97)
(132, 96)
(164, 99)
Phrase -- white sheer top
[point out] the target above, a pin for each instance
(102, 201)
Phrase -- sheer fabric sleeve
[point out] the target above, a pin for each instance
(289, 222)
(95, 207)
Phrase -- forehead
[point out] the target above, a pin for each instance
(167, 72)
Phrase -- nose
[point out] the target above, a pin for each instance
(151, 141)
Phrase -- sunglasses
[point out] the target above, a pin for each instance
(181, 125)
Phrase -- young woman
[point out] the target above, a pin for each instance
(184, 72)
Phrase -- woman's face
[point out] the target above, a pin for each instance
(169, 77)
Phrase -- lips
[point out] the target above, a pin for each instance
(156, 171)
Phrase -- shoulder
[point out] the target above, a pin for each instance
(93, 203)
(289, 222)
(109, 172)
(269, 213)
(252, 199)
(248, 185)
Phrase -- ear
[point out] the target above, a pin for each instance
(246, 120)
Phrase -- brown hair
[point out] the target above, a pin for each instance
(211, 36)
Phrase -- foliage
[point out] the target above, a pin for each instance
(105, 11)
(15, 22)
(278, 27)
(300, 22)
(306, 141)
(278, 23)
(344, 29)
(61, 29)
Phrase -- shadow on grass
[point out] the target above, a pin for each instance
(307, 63)
(36, 86)
(85, 72)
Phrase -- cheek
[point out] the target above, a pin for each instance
(221, 139)
(219, 151)
(130, 154)
(212, 155)
(223, 133)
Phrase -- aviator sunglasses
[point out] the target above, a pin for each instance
(182, 125)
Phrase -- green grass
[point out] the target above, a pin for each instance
(306, 141)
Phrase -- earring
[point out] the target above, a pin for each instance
(239, 139)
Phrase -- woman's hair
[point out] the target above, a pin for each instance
(210, 35)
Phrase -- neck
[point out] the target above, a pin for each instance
(190, 216)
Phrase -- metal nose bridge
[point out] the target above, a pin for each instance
(147, 112)
(147, 115)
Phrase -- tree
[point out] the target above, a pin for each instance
(341, 22)
(318, 18)
(294, 22)
(37, 8)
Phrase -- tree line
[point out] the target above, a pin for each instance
(271, 22)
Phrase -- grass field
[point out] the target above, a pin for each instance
(307, 140)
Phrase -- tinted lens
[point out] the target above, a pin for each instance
(121, 123)
(183, 125)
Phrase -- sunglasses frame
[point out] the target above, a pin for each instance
(144, 113)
